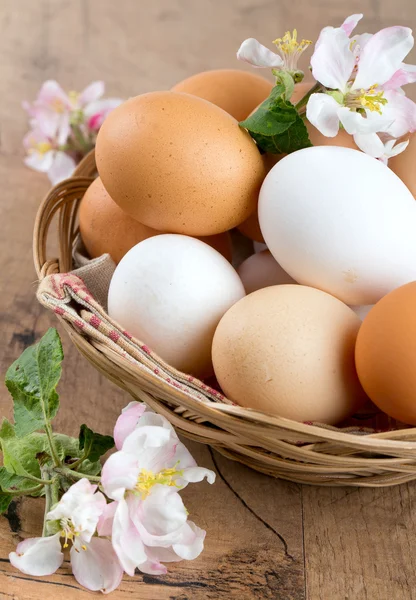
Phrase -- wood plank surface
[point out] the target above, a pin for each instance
(266, 539)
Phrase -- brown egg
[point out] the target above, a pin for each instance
(221, 243)
(236, 92)
(404, 164)
(179, 164)
(300, 90)
(288, 350)
(386, 351)
(251, 228)
(105, 228)
(262, 270)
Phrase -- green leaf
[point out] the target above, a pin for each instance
(5, 500)
(65, 446)
(276, 125)
(9, 481)
(32, 381)
(93, 444)
(6, 430)
(89, 468)
(19, 454)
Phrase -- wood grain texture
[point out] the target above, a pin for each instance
(266, 539)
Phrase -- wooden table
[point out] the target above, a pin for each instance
(266, 538)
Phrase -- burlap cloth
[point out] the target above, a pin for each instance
(80, 298)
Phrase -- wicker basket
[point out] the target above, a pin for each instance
(304, 453)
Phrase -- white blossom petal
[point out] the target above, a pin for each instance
(120, 473)
(197, 474)
(333, 61)
(370, 143)
(160, 516)
(50, 93)
(91, 93)
(105, 522)
(62, 167)
(354, 122)
(406, 74)
(382, 56)
(40, 162)
(97, 568)
(400, 112)
(38, 556)
(350, 23)
(322, 113)
(192, 543)
(126, 540)
(127, 422)
(257, 55)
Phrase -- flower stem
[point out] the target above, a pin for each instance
(303, 101)
(55, 490)
(52, 446)
(78, 462)
(26, 492)
(75, 475)
(48, 499)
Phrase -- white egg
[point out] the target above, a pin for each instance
(341, 221)
(170, 292)
(261, 270)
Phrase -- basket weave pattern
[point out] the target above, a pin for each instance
(305, 453)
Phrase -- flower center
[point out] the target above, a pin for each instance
(73, 98)
(290, 49)
(147, 479)
(40, 147)
(69, 533)
(369, 99)
(57, 105)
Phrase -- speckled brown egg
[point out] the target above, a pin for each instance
(251, 228)
(404, 164)
(105, 228)
(288, 350)
(236, 92)
(180, 164)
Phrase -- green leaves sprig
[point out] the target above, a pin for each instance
(35, 457)
(276, 126)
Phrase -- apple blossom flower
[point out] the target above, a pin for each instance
(93, 561)
(64, 127)
(289, 52)
(43, 155)
(362, 78)
(149, 524)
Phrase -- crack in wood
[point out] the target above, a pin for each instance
(244, 503)
(191, 584)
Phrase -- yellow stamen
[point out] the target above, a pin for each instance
(57, 105)
(73, 97)
(290, 49)
(40, 147)
(289, 44)
(147, 479)
(371, 100)
(84, 547)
